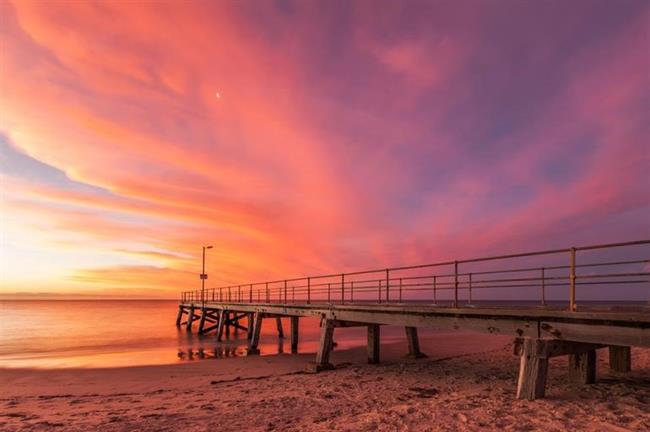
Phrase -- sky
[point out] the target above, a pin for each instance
(311, 137)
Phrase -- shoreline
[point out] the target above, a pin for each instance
(466, 383)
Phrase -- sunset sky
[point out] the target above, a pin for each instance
(307, 137)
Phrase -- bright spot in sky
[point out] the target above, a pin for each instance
(218, 95)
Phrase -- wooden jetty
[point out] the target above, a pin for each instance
(453, 295)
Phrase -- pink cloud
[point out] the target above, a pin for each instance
(407, 143)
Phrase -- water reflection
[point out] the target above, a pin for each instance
(217, 352)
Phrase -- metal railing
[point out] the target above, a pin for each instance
(444, 282)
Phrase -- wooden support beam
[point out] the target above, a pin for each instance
(210, 328)
(255, 337)
(324, 348)
(236, 326)
(190, 318)
(413, 342)
(373, 343)
(202, 321)
(294, 334)
(249, 331)
(338, 323)
(179, 317)
(221, 325)
(235, 318)
(582, 367)
(207, 316)
(556, 348)
(533, 368)
(620, 358)
(278, 322)
(227, 324)
(598, 334)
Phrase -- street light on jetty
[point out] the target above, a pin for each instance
(204, 276)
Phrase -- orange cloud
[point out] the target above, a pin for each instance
(342, 138)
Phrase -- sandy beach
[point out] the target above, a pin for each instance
(466, 383)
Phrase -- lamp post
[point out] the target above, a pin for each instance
(204, 276)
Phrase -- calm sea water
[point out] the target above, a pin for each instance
(56, 334)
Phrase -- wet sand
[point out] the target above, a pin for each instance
(467, 383)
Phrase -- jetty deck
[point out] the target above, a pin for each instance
(456, 295)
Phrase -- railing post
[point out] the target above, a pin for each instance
(572, 281)
(543, 288)
(329, 285)
(308, 290)
(387, 287)
(239, 298)
(229, 295)
(250, 293)
(435, 299)
(470, 289)
(400, 290)
(293, 294)
(342, 287)
(268, 294)
(351, 291)
(285, 290)
(379, 293)
(455, 283)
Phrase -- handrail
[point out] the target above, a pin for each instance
(456, 280)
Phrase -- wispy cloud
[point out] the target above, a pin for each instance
(367, 135)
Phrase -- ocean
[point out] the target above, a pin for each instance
(108, 333)
(118, 333)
